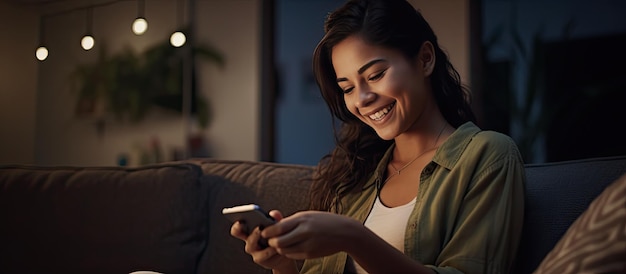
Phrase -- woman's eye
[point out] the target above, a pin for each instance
(377, 76)
(347, 90)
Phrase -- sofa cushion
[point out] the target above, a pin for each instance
(556, 194)
(270, 185)
(596, 242)
(102, 219)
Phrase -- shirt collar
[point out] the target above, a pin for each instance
(450, 151)
(447, 155)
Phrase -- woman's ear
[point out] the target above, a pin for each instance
(426, 58)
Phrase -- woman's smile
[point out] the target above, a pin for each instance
(381, 114)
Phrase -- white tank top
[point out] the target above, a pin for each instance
(389, 223)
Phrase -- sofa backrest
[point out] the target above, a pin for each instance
(102, 220)
(556, 194)
(270, 185)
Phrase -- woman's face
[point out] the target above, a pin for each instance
(381, 86)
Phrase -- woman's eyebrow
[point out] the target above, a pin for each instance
(369, 64)
(362, 68)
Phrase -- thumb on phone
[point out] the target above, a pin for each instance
(276, 215)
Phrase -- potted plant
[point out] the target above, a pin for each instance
(127, 85)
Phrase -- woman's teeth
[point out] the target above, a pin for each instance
(379, 115)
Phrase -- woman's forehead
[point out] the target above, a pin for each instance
(353, 53)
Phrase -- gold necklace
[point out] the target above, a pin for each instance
(418, 156)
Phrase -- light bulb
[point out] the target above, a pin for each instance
(140, 25)
(87, 42)
(177, 39)
(41, 53)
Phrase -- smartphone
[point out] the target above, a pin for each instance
(250, 215)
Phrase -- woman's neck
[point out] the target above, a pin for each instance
(419, 141)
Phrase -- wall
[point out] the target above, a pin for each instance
(303, 123)
(18, 71)
(450, 21)
(63, 139)
(234, 27)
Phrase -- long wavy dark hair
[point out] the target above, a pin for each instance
(393, 24)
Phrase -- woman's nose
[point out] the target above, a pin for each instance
(365, 96)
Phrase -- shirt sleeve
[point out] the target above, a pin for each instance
(486, 228)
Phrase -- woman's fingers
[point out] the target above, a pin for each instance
(311, 234)
(252, 242)
(284, 226)
(262, 255)
(277, 215)
(237, 230)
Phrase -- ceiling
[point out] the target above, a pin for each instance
(31, 2)
(48, 6)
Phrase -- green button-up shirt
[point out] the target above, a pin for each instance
(469, 210)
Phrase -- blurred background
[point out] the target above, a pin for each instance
(239, 85)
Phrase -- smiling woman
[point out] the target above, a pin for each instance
(454, 205)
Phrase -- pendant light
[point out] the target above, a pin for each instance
(178, 39)
(88, 42)
(42, 52)
(140, 25)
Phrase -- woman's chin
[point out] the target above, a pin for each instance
(385, 134)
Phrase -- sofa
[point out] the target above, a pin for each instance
(167, 217)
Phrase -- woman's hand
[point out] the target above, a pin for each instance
(266, 257)
(313, 234)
